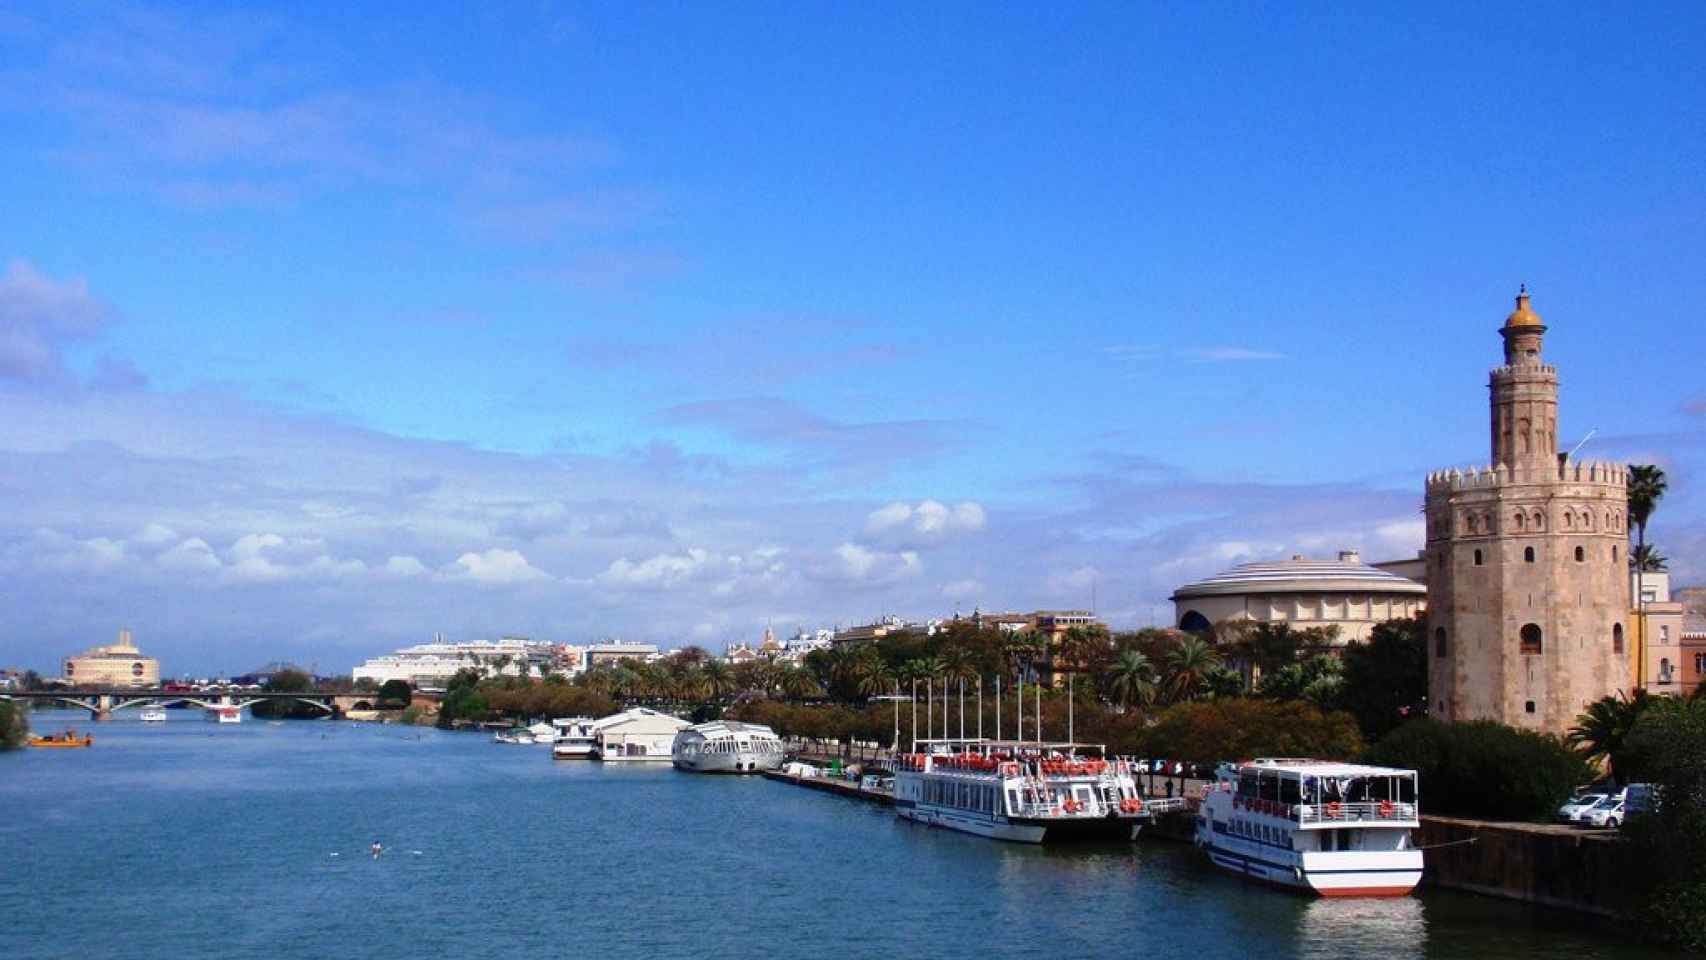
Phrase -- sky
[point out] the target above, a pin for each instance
(328, 328)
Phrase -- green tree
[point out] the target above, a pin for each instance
(1243, 727)
(1604, 727)
(394, 695)
(1484, 769)
(1667, 749)
(1131, 679)
(14, 724)
(1647, 559)
(287, 681)
(1318, 679)
(1188, 665)
(1386, 678)
(718, 679)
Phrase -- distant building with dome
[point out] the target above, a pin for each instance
(1344, 593)
(118, 664)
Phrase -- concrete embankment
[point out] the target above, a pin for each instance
(1554, 866)
(834, 785)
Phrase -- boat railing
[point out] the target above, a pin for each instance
(1361, 811)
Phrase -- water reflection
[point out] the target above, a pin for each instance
(1394, 928)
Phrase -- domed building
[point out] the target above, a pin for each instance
(1344, 593)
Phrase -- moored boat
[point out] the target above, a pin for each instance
(152, 715)
(575, 738)
(727, 746)
(1027, 792)
(1334, 829)
(67, 739)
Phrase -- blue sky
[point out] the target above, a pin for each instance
(668, 323)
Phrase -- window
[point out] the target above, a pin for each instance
(1477, 558)
(1664, 637)
(1613, 554)
(1529, 706)
(1440, 646)
(1531, 640)
(1664, 670)
(1581, 554)
(1617, 638)
(1527, 554)
(1700, 663)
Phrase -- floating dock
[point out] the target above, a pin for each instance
(835, 785)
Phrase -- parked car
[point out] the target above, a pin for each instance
(1573, 808)
(1640, 798)
(1607, 813)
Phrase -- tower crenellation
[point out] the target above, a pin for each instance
(1527, 560)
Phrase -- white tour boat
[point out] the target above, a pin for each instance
(1337, 829)
(152, 715)
(727, 746)
(225, 714)
(576, 738)
(1024, 791)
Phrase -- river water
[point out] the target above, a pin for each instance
(190, 839)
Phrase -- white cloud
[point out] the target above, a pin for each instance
(189, 556)
(38, 316)
(663, 570)
(1074, 583)
(967, 589)
(929, 520)
(403, 568)
(863, 565)
(496, 566)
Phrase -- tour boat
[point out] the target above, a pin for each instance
(513, 735)
(1335, 829)
(152, 715)
(1027, 792)
(226, 714)
(727, 746)
(67, 739)
(576, 739)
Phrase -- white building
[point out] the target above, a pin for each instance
(433, 664)
(637, 735)
(1344, 593)
(617, 651)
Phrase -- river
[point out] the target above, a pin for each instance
(190, 839)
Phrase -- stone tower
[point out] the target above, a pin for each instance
(1528, 573)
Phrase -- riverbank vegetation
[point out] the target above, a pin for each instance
(14, 724)
(1484, 769)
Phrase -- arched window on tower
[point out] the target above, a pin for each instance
(1587, 520)
(1613, 554)
(1569, 520)
(1530, 645)
(1527, 554)
(1470, 522)
(1477, 558)
(1440, 646)
(1518, 519)
(1617, 638)
(1581, 554)
(1539, 520)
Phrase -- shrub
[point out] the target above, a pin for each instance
(394, 695)
(1242, 728)
(1484, 769)
(1667, 748)
(14, 724)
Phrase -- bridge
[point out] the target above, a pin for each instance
(104, 703)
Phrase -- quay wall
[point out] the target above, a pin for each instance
(1553, 866)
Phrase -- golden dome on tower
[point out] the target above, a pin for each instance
(1522, 316)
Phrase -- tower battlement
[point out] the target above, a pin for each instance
(1585, 472)
(1511, 369)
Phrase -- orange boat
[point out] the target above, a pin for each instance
(67, 739)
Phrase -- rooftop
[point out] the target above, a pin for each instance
(1302, 575)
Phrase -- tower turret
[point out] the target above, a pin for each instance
(1524, 403)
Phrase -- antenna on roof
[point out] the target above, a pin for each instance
(1578, 446)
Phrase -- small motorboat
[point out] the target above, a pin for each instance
(67, 739)
(153, 715)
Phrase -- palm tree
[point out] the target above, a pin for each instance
(1188, 666)
(717, 679)
(1646, 488)
(1131, 679)
(871, 675)
(798, 684)
(1602, 729)
(1646, 558)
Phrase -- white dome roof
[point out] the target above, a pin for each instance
(1348, 574)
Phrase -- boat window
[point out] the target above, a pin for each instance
(1290, 791)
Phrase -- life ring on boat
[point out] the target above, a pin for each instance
(1386, 809)
(1333, 811)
